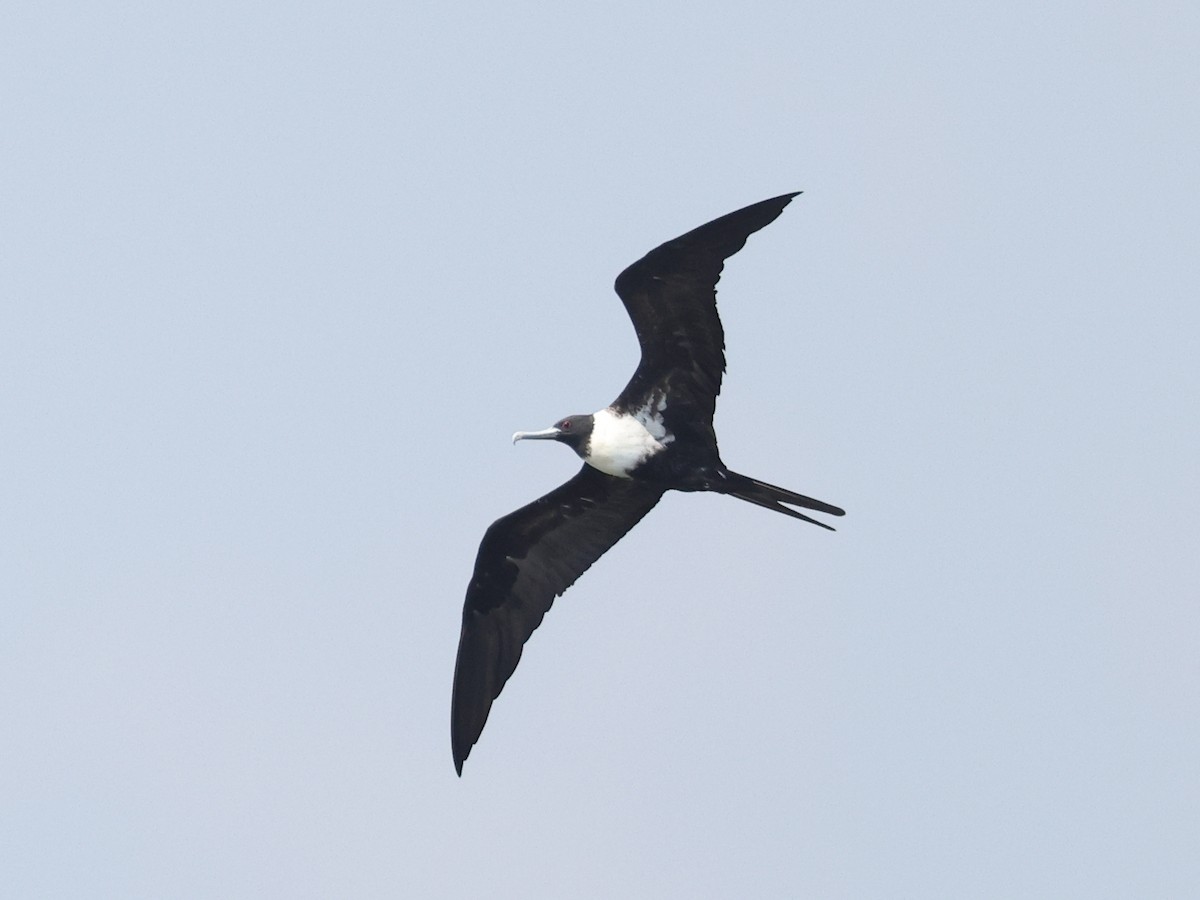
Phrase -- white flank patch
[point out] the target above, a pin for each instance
(651, 418)
(619, 442)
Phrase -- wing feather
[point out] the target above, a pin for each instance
(526, 560)
(670, 294)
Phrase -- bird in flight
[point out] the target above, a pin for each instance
(655, 437)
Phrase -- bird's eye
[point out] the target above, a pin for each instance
(566, 425)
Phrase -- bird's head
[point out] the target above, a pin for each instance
(573, 431)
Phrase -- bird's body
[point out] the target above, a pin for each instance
(656, 436)
(618, 443)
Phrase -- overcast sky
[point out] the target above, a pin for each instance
(280, 280)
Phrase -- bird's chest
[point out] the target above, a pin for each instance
(620, 443)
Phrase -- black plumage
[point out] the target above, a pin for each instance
(529, 557)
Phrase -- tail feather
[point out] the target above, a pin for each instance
(772, 497)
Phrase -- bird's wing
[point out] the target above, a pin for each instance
(670, 294)
(526, 559)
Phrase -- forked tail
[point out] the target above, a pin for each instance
(772, 497)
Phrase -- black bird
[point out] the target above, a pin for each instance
(655, 437)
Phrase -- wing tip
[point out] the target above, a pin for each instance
(784, 199)
(460, 748)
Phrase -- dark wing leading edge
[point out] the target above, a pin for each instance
(670, 293)
(526, 559)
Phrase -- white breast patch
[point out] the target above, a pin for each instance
(619, 443)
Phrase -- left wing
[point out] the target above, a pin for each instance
(526, 559)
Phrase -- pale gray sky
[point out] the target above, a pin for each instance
(280, 281)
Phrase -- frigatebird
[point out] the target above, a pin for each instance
(655, 437)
